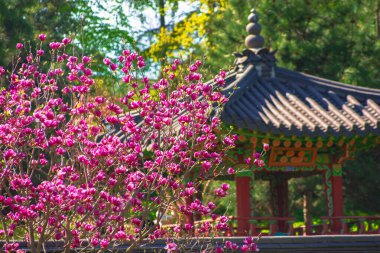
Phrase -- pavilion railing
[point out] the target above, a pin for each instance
(270, 226)
(351, 224)
(262, 225)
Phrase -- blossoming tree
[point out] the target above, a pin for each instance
(80, 169)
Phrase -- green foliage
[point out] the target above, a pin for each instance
(103, 27)
(334, 39)
(224, 206)
(311, 186)
(362, 183)
(23, 20)
(225, 34)
(178, 31)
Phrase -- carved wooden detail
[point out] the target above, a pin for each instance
(282, 156)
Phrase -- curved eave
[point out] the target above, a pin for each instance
(298, 104)
(327, 84)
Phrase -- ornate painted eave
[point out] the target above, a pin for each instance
(270, 99)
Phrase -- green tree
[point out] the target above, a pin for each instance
(338, 40)
(179, 30)
(23, 20)
(361, 183)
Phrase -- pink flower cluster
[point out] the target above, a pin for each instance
(249, 245)
(76, 167)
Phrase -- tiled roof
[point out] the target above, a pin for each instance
(293, 103)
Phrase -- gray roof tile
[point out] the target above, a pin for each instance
(294, 103)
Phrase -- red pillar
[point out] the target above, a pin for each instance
(337, 196)
(243, 204)
(280, 199)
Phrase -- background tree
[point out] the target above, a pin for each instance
(24, 20)
(338, 40)
(181, 25)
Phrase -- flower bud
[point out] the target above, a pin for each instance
(42, 36)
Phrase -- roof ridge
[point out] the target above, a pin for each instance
(339, 86)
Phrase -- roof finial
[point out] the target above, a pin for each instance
(254, 40)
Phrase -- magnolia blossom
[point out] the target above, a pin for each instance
(77, 167)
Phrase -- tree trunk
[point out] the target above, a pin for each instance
(306, 211)
(161, 11)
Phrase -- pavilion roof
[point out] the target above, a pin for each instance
(271, 99)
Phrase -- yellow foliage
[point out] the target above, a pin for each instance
(186, 33)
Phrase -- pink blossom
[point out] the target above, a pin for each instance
(87, 72)
(2, 71)
(107, 61)
(120, 235)
(54, 45)
(198, 63)
(225, 187)
(218, 250)
(140, 64)
(193, 68)
(171, 247)
(113, 66)
(42, 36)
(19, 46)
(103, 160)
(188, 226)
(127, 78)
(66, 41)
(100, 100)
(104, 243)
(73, 59)
(86, 59)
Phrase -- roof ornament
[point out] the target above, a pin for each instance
(254, 40)
(262, 59)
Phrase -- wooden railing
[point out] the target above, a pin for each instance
(362, 224)
(262, 225)
(269, 226)
(257, 225)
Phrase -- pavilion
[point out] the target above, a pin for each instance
(312, 125)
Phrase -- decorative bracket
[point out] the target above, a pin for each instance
(292, 157)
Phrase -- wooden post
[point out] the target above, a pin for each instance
(243, 201)
(280, 192)
(307, 200)
(337, 196)
(329, 200)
